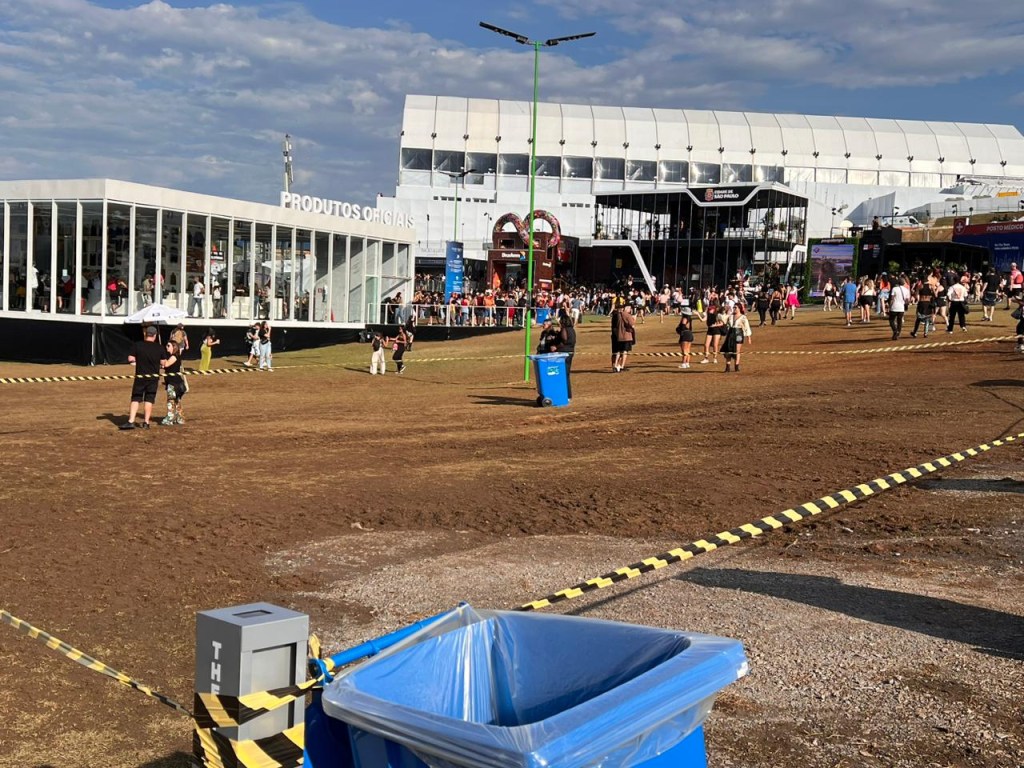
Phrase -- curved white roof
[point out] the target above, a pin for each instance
(794, 141)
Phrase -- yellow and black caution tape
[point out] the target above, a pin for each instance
(222, 710)
(282, 750)
(767, 524)
(88, 661)
(129, 376)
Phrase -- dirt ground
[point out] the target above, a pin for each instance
(886, 633)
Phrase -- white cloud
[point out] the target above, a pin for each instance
(201, 97)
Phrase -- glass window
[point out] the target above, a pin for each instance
(39, 278)
(482, 162)
(170, 258)
(119, 257)
(513, 165)
(242, 266)
(611, 168)
(284, 302)
(705, 173)
(548, 166)
(641, 170)
(145, 257)
(339, 287)
(736, 173)
(449, 160)
(416, 159)
(673, 171)
(5, 293)
(766, 173)
(220, 285)
(578, 167)
(18, 282)
(92, 257)
(303, 273)
(264, 270)
(195, 266)
(321, 311)
(357, 275)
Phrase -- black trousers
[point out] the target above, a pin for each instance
(896, 323)
(568, 375)
(957, 309)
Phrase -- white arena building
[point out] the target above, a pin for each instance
(849, 168)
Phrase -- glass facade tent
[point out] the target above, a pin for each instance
(700, 236)
(99, 250)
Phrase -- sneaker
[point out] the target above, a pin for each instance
(683, 365)
(144, 425)
(179, 420)
(166, 421)
(705, 361)
(402, 369)
(128, 425)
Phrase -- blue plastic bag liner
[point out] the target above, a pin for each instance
(503, 689)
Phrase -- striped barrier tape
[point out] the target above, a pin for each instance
(88, 661)
(211, 749)
(128, 376)
(282, 750)
(220, 371)
(766, 524)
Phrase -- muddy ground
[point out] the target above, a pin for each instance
(888, 633)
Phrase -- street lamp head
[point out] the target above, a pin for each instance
(556, 40)
(522, 39)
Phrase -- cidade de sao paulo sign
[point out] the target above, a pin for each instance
(311, 204)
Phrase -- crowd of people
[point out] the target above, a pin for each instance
(940, 297)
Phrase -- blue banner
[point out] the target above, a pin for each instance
(453, 269)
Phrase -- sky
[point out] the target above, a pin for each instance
(198, 95)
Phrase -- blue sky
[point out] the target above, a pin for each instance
(198, 95)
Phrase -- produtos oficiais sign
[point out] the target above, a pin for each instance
(311, 204)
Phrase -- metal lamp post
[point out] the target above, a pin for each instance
(537, 45)
(457, 177)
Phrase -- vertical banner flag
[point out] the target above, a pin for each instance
(453, 269)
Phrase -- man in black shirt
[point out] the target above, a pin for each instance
(149, 358)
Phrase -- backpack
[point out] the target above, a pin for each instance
(376, 343)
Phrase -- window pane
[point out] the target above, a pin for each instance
(611, 168)
(641, 170)
(264, 271)
(303, 275)
(548, 166)
(67, 233)
(241, 258)
(357, 273)
(673, 171)
(92, 256)
(736, 173)
(321, 311)
(705, 173)
(578, 167)
(511, 165)
(284, 304)
(766, 173)
(482, 162)
(39, 281)
(195, 266)
(220, 287)
(416, 159)
(145, 257)
(447, 160)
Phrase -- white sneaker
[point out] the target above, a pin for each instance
(683, 365)
(705, 361)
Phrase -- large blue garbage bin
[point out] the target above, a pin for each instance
(497, 689)
(552, 378)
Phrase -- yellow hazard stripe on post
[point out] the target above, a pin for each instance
(88, 661)
(282, 750)
(766, 524)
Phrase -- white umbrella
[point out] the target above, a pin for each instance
(157, 314)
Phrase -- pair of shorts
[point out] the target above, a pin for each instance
(621, 346)
(686, 337)
(144, 390)
(867, 301)
(988, 299)
(848, 306)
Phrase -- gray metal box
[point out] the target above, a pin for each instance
(248, 649)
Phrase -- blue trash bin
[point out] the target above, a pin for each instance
(501, 689)
(552, 379)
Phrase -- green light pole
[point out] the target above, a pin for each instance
(537, 45)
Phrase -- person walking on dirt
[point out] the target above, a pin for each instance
(956, 295)
(175, 384)
(925, 308)
(899, 300)
(399, 345)
(149, 359)
(623, 334)
(848, 293)
(737, 333)
(377, 344)
(685, 331)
